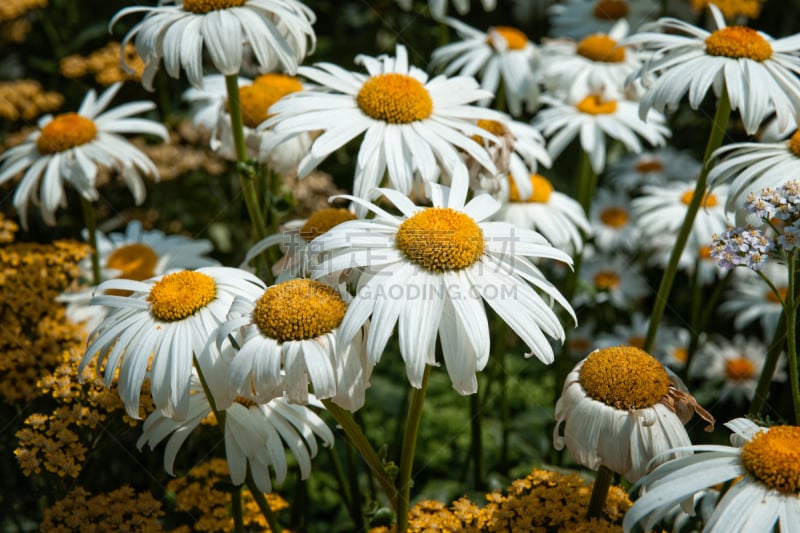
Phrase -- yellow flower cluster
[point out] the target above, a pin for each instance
(25, 100)
(104, 65)
(540, 502)
(53, 441)
(35, 331)
(197, 493)
(13, 9)
(119, 510)
(7, 229)
(732, 8)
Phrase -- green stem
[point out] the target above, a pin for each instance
(90, 221)
(790, 311)
(344, 487)
(718, 127)
(768, 370)
(587, 182)
(599, 492)
(360, 442)
(407, 454)
(702, 322)
(236, 509)
(263, 505)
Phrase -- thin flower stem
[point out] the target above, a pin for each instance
(702, 322)
(768, 370)
(263, 504)
(236, 509)
(344, 488)
(360, 442)
(602, 482)
(90, 221)
(790, 312)
(587, 182)
(407, 454)
(718, 127)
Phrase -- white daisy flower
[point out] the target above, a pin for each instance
(613, 279)
(766, 459)
(592, 119)
(581, 340)
(611, 218)
(737, 363)
(439, 7)
(632, 334)
(409, 123)
(136, 254)
(671, 346)
(621, 409)
(501, 54)
(287, 337)
(69, 147)
(179, 31)
(155, 331)
(594, 65)
(579, 18)
(658, 167)
(757, 71)
(750, 167)
(553, 214)
(750, 299)
(431, 268)
(255, 97)
(256, 436)
(661, 210)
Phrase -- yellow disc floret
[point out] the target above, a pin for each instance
(594, 105)
(739, 369)
(514, 38)
(323, 220)
(606, 280)
(794, 143)
(709, 200)
(134, 261)
(256, 99)
(610, 10)
(624, 377)
(542, 189)
(298, 309)
(202, 7)
(180, 295)
(493, 127)
(773, 458)
(615, 217)
(648, 166)
(64, 132)
(395, 98)
(738, 42)
(440, 238)
(601, 48)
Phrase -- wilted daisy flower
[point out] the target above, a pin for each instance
(69, 147)
(620, 408)
(756, 70)
(553, 214)
(613, 227)
(613, 279)
(749, 298)
(256, 435)
(155, 331)
(632, 171)
(579, 18)
(431, 269)
(591, 119)
(409, 123)
(767, 463)
(502, 54)
(750, 167)
(439, 7)
(179, 31)
(594, 65)
(287, 337)
(737, 363)
(255, 98)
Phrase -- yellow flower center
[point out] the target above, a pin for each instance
(606, 280)
(180, 295)
(247, 402)
(395, 98)
(64, 132)
(610, 10)
(515, 39)
(709, 200)
(323, 220)
(202, 7)
(624, 377)
(732, 8)
(614, 216)
(602, 48)
(738, 42)
(794, 143)
(771, 297)
(135, 261)
(704, 252)
(440, 239)
(542, 188)
(680, 354)
(649, 165)
(298, 309)
(739, 369)
(773, 458)
(593, 105)
(256, 99)
(637, 341)
(493, 127)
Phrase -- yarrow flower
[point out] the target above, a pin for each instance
(742, 246)
(179, 31)
(69, 147)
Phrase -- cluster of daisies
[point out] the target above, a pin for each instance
(449, 213)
